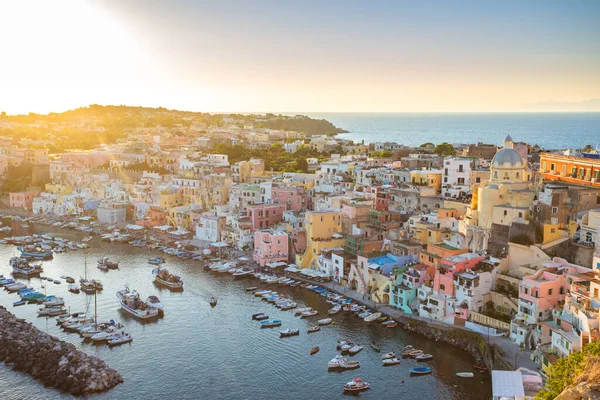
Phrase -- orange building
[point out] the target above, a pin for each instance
(577, 170)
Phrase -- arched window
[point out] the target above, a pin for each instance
(517, 175)
(495, 174)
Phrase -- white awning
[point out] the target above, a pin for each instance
(219, 244)
(134, 227)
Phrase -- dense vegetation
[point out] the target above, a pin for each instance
(18, 178)
(580, 366)
(300, 123)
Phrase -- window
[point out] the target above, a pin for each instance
(520, 215)
(554, 210)
(442, 287)
(544, 166)
(550, 292)
(478, 180)
(446, 171)
(505, 213)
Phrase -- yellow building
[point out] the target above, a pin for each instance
(59, 189)
(427, 177)
(323, 231)
(169, 200)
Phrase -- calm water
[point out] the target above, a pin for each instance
(548, 130)
(199, 352)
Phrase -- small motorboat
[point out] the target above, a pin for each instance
(69, 279)
(314, 350)
(388, 355)
(314, 329)
(340, 362)
(120, 339)
(19, 303)
(420, 371)
(372, 317)
(261, 317)
(270, 323)
(213, 301)
(57, 282)
(375, 346)
(356, 385)
(74, 289)
(464, 374)
(310, 313)
(325, 321)
(355, 349)
(289, 332)
(335, 310)
(251, 289)
(480, 367)
(257, 314)
(156, 261)
(392, 325)
(423, 357)
(390, 361)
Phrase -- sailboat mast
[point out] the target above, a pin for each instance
(95, 310)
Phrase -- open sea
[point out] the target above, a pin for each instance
(548, 130)
(199, 352)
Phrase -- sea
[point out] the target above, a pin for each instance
(547, 130)
(199, 352)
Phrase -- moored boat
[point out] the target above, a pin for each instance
(335, 310)
(130, 302)
(325, 321)
(289, 332)
(388, 355)
(314, 329)
(390, 361)
(375, 346)
(308, 314)
(270, 323)
(164, 278)
(340, 362)
(120, 339)
(356, 385)
(314, 350)
(423, 357)
(73, 288)
(156, 261)
(465, 374)
(213, 302)
(355, 349)
(420, 371)
(372, 317)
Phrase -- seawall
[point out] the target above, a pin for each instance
(51, 361)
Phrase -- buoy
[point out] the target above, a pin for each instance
(402, 380)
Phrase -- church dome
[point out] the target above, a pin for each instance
(507, 158)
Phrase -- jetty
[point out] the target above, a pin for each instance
(51, 361)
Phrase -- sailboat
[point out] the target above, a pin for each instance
(87, 286)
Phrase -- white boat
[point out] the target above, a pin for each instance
(372, 317)
(388, 355)
(342, 363)
(164, 278)
(325, 321)
(307, 314)
(356, 385)
(301, 310)
(260, 293)
(52, 301)
(120, 339)
(95, 329)
(15, 287)
(272, 279)
(335, 310)
(390, 361)
(355, 349)
(131, 303)
(154, 301)
(50, 311)
(423, 357)
(104, 336)
(465, 374)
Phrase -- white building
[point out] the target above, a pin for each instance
(456, 176)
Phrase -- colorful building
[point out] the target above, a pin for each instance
(270, 247)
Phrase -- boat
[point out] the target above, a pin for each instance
(88, 286)
(340, 362)
(154, 301)
(5, 282)
(372, 317)
(314, 329)
(156, 261)
(15, 287)
(390, 361)
(19, 303)
(270, 323)
(465, 374)
(164, 278)
(355, 349)
(301, 310)
(57, 282)
(289, 332)
(120, 339)
(314, 350)
(420, 371)
(388, 322)
(53, 301)
(261, 293)
(480, 367)
(35, 252)
(250, 289)
(68, 279)
(256, 315)
(131, 303)
(261, 317)
(50, 312)
(356, 385)
(22, 267)
(213, 301)
(335, 310)
(375, 346)
(388, 355)
(392, 325)
(412, 353)
(307, 314)
(383, 318)
(423, 357)
(104, 263)
(325, 321)
(73, 288)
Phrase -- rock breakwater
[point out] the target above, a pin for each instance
(51, 361)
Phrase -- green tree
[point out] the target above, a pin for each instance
(427, 144)
(444, 149)
(588, 148)
(301, 165)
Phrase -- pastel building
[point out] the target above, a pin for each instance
(22, 199)
(270, 247)
(323, 230)
(295, 198)
(264, 215)
(404, 291)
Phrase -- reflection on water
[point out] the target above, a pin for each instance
(196, 351)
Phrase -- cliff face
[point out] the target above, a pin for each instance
(51, 361)
(587, 384)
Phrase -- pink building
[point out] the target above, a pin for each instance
(270, 247)
(22, 199)
(295, 197)
(84, 158)
(265, 215)
(443, 281)
(540, 293)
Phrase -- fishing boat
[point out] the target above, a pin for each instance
(314, 350)
(21, 266)
(213, 301)
(423, 357)
(355, 349)
(325, 321)
(270, 323)
(34, 252)
(301, 310)
(163, 278)
(120, 339)
(131, 303)
(154, 301)
(314, 329)
(15, 287)
(73, 288)
(465, 374)
(339, 362)
(420, 371)
(356, 385)
(390, 361)
(335, 310)
(375, 346)
(105, 263)
(156, 261)
(289, 332)
(372, 317)
(388, 355)
(308, 314)
(53, 301)
(5, 282)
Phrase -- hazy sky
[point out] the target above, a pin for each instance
(259, 55)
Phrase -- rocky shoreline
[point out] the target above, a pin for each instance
(51, 361)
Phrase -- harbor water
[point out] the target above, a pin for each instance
(196, 351)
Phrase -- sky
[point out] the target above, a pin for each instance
(301, 56)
